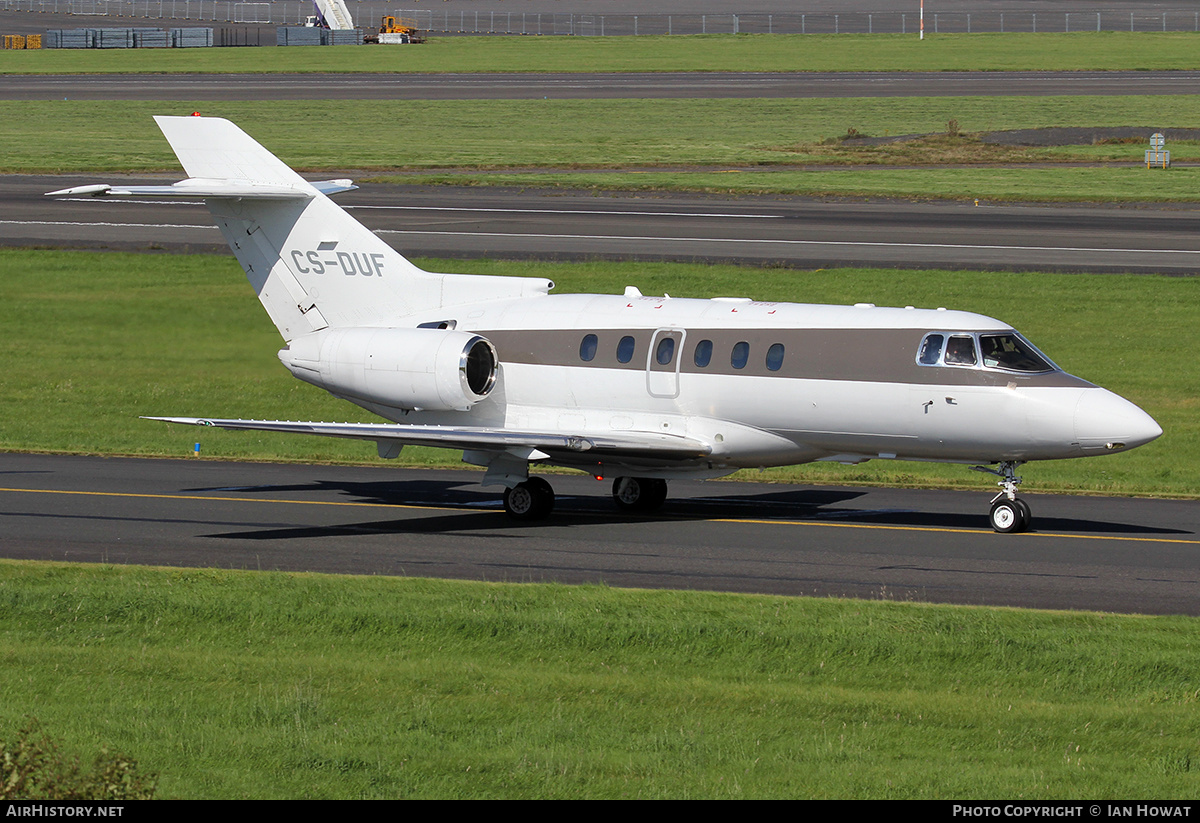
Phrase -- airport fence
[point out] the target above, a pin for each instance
(888, 22)
(444, 21)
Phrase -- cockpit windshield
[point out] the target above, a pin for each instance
(1007, 351)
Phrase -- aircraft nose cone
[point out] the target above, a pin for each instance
(1106, 422)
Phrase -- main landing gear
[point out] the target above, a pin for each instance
(530, 500)
(639, 494)
(1009, 512)
(533, 499)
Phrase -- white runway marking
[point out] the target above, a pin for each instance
(653, 238)
(579, 211)
(635, 238)
(106, 225)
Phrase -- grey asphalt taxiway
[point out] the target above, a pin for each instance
(586, 85)
(1106, 554)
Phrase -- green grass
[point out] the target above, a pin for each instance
(60, 136)
(1104, 51)
(988, 185)
(713, 145)
(242, 684)
(95, 340)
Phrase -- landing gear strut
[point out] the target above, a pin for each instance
(530, 500)
(639, 494)
(1009, 512)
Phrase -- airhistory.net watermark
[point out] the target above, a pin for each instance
(61, 810)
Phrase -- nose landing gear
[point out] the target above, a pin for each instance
(1009, 513)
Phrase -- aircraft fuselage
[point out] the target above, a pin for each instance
(770, 384)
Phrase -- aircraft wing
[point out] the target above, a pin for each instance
(607, 444)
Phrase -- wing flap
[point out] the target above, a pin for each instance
(601, 444)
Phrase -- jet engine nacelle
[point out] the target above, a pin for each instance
(421, 369)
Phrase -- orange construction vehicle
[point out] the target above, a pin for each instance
(402, 30)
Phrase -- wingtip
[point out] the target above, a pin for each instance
(186, 421)
(95, 190)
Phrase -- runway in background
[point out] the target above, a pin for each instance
(447, 221)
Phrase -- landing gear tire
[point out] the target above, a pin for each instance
(1026, 514)
(1010, 516)
(639, 494)
(1006, 516)
(531, 500)
(1009, 512)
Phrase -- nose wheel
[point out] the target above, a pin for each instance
(530, 500)
(1009, 513)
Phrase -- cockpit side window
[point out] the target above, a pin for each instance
(931, 349)
(960, 350)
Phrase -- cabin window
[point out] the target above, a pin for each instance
(703, 355)
(587, 348)
(740, 355)
(625, 349)
(960, 350)
(666, 351)
(1009, 351)
(931, 349)
(775, 357)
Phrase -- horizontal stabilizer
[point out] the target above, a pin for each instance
(310, 263)
(94, 190)
(640, 444)
(195, 187)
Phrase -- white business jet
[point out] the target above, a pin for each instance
(641, 389)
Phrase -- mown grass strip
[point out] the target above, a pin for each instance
(59, 136)
(96, 340)
(243, 684)
(714, 145)
(1102, 51)
(1130, 184)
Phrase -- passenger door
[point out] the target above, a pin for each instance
(662, 362)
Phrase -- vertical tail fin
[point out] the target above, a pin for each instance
(215, 149)
(312, 265)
